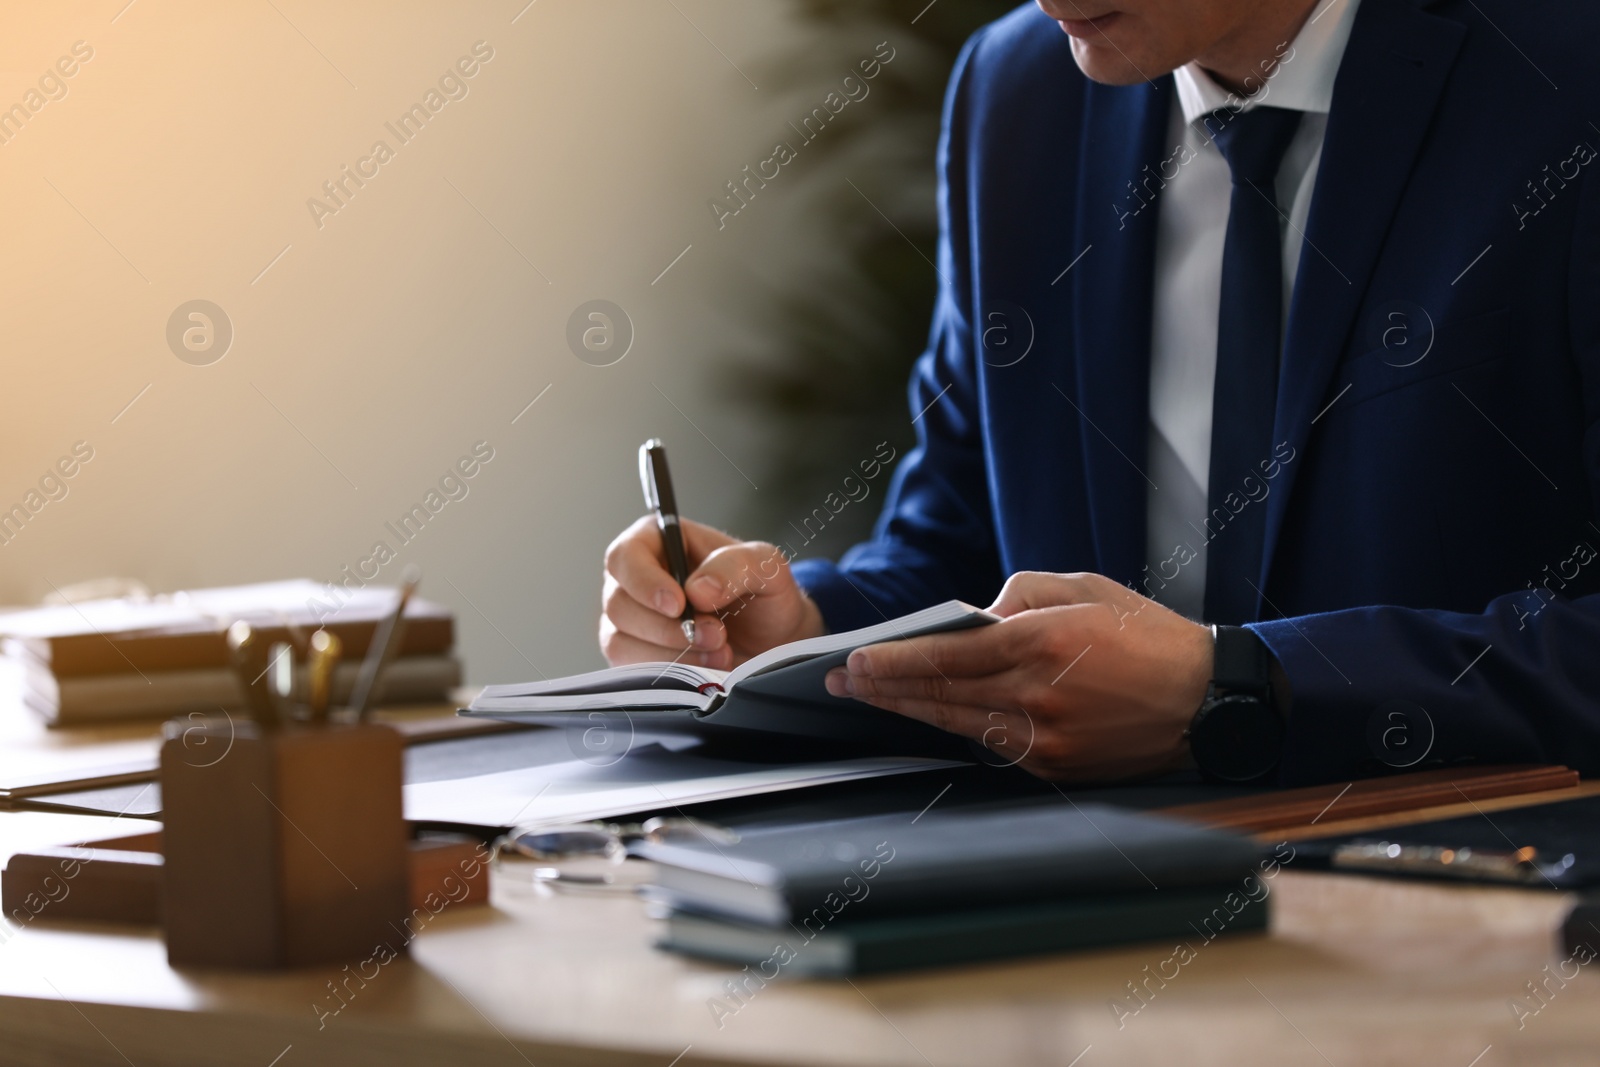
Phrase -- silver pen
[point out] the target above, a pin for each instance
(385, 643)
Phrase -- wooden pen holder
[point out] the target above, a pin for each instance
(284, 847)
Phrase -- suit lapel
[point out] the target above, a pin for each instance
(1389, 84)
(1124, 130)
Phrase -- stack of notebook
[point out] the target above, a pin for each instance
(891, 892)
(168, 655)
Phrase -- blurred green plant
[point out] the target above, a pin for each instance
(832, 383)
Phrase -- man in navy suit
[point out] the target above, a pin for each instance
(1279, 316)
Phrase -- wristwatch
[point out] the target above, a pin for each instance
(1238, 733)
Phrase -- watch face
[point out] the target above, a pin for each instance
(1237, 738)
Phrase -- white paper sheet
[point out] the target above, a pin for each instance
(649, 776)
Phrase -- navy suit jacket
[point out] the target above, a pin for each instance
(1433, 538)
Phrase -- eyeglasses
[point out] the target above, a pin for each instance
(612, 842)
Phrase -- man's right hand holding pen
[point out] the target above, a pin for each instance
(744, 598)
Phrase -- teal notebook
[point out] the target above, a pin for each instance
(1189, 915)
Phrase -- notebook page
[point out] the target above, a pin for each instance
(671, 676)
(938, 617)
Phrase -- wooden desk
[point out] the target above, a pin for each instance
(1355, 971)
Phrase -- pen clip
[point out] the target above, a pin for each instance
(647, 474)
(280, 673)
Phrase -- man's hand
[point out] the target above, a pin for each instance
(744, 597)
(1084, 680)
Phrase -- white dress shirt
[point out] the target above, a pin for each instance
(1192, 223)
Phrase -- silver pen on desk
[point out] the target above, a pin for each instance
(659, 498)
(1524, 866)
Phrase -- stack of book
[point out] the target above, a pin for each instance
(890, 892)
(156, 657)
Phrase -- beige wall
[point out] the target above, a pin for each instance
(387, 341)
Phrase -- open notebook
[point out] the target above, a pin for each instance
(779, 691)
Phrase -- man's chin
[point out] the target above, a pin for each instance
(1100, 62)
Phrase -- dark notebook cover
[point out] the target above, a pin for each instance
(1192, 916)
(899, 864)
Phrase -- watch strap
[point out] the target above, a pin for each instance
(1241, 662)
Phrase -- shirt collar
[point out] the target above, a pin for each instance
(1303, 79)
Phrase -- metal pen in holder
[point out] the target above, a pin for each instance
(293, 848)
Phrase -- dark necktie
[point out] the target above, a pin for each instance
(1249, 336)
